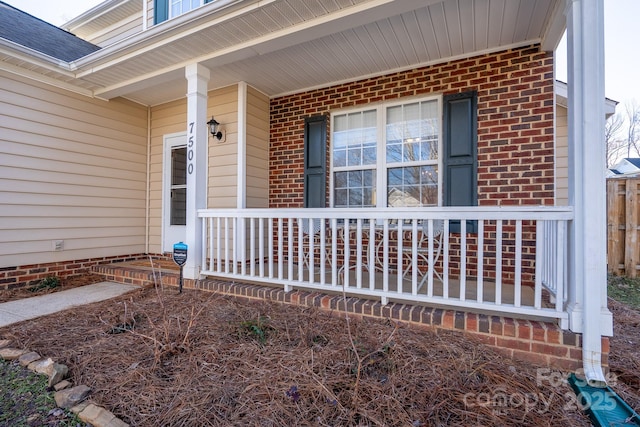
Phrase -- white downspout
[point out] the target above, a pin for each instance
(588, 273)
(241, 194)
(147, 222)
(241, 202)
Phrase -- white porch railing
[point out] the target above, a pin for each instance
(500, 266)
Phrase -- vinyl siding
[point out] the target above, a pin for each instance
(257, 149)
(223, 155)
(114, 33)
(72, 168)
(562, 157)
(171, 118)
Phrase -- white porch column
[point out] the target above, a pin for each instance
(197, 137)
(588, 242)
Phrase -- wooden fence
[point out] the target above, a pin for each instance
(623, 251)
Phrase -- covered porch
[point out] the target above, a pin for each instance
(529, 261)
(330, 113)
(507, 249)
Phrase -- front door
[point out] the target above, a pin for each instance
(174, 194)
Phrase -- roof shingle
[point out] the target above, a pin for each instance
(27, 30)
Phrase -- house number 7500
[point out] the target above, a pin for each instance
(190, 149)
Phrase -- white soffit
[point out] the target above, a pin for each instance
(292, 45)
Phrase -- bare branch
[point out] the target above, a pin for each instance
(632, 109)
(613, 142)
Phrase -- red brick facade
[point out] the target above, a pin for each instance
(515, 122)
(29, 275)
(515, 137)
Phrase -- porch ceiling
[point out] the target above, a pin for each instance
(285, 46)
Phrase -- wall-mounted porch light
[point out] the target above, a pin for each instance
(214, 128)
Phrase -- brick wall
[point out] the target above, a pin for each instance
(515, 122)
(29, 275)
(537, 342)
(515, 137)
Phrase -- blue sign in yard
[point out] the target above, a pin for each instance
(180, 257)
(180, 253)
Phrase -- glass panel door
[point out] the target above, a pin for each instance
(178, 205)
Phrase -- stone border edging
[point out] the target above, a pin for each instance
(65, 396)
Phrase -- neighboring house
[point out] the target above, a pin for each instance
(330, 113)
(625, 167)
(562, 140)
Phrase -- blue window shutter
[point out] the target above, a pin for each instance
(315, 161)
(460, 162)
(160, 11)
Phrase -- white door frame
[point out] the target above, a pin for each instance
(170, 233)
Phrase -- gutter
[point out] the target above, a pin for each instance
(28, 55)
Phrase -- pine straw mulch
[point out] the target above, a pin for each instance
(159, 358)
(624, 357)
(65, 284)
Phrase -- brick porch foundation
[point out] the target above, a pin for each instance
(538, 342)
(28, 275)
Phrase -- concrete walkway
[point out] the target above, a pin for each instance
(30, 308)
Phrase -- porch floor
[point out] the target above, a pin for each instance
(454, 289)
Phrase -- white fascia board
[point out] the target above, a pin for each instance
(34, 57)
(560, 88)
(609, 107)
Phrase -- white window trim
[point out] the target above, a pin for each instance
(381, 160)
(170, 14)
